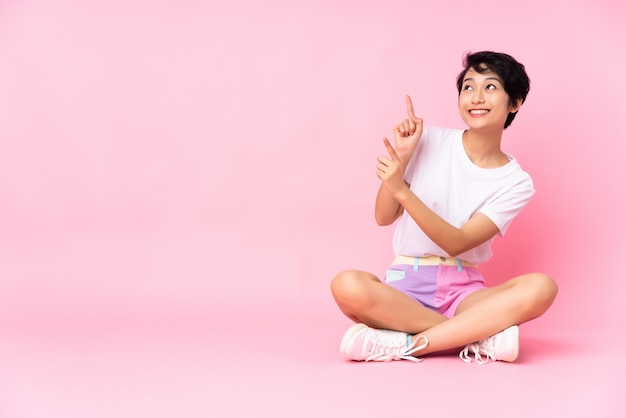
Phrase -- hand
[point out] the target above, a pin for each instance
(390, 170)
(407, 134)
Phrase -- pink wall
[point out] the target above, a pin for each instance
(148, 148)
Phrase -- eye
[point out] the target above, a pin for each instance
(467, 87)
(491, 87)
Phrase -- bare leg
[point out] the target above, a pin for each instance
(362, 297)
(489, 311)
(365, 299)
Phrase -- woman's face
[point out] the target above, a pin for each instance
(483, 103)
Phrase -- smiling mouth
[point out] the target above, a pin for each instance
(478, 112)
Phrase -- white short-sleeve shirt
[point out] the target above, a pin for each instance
(448, 182)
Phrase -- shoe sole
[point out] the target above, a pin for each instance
(346, 341)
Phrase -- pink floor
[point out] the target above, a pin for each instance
(282, 360)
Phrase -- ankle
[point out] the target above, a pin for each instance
(420, 342)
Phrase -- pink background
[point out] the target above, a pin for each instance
(179, 181)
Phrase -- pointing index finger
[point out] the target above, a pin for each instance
(409, 107)
(391, 150)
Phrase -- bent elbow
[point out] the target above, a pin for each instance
(454, 253)
(386, 218)
(454, 250)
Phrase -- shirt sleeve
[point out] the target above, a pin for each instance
(505, 206)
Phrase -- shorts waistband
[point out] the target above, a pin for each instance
(432, 260)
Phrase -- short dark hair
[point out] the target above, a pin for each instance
(513, 74)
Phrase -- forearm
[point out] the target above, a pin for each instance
(387, 208)
(451, 239)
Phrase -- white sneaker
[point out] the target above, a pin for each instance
(503, 346)
(361, 342)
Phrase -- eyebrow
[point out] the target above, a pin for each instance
(486, 78)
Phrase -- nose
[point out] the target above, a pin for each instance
(477, 96)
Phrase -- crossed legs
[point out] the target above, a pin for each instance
(362, 297)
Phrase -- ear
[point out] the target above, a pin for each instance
(516, 106)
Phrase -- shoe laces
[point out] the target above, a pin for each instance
(386, 346)
(479, 349)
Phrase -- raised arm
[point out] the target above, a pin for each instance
(406, 137)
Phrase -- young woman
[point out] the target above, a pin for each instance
(451, 192)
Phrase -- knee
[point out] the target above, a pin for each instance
(542, 290)
(546, 287)
(348, 286)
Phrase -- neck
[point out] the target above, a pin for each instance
(483, 148)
